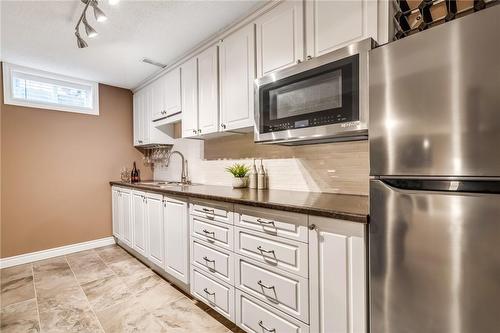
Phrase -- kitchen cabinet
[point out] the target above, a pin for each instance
(176, 235)
(200, 94)
(158, 99)
(139, 223)
(122, 227)
(280, 37)
(333, 24)
(189, 78)
(154, 221)
(144, 131)
(337, 268)
(237, 74)
(172, 92)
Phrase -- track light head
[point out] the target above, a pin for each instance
(98, 13)
(91, 33)
(79, 41)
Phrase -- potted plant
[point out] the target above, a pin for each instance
(239, 172)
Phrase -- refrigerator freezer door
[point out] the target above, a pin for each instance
(434, 261)
(435, 101)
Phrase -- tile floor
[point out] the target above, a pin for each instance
(100, 290)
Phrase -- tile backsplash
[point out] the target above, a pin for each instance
(334, 168)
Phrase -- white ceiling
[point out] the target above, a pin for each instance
(40, 34)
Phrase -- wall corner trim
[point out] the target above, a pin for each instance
(55, 252)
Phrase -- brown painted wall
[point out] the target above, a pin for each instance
(55, 169)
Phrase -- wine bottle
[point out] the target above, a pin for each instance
(133, 175)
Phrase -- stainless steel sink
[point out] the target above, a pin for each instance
(161, 184)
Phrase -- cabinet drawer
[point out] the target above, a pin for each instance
(212, 210)
(218, 262)
(278, 252)
(215, 233)
(256, 317)
(285, 291)
(272, 222)
(212, 292)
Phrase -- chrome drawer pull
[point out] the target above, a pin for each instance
(209, 232)
(261, 221)
(208, 260)
(263, 285)
(206, 210)
(208, 292)
(264, 250)
(265, 328)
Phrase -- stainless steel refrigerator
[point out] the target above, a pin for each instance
(434, 232)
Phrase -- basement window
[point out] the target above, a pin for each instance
(38, 89)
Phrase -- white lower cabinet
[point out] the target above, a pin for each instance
(122, 222)
(139, 223)
(216, 261)
(338, 268)
(255, 316)
(175, 222)
(219, 295)
(154, 222)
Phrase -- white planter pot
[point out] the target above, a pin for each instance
(239, 182)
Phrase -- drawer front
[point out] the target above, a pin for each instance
(217, 262)
(212, 210)
(212, 292)
(285, 291)
(278, 252)
(272, 222)
(256, 317)
(215, 233)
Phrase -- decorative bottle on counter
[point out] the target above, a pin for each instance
(252, 177)
(261, 177)
(134, 175)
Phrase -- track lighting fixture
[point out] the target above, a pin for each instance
(91, 32)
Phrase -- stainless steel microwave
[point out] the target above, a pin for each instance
(324, 99)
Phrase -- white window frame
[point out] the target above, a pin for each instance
(10, 69)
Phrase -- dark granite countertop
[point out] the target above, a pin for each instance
(340, 206)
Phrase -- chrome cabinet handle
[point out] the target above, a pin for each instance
(309, 57)
(199, 131)
(312, 227)
(140, 141)
(223, 125)
(208, 292)
(194, 131)
(265, 328)
(209, 232)
(261, 221)
(208, 260)
(299, 61)
(206, 210)
(264, 250)
(263, 285)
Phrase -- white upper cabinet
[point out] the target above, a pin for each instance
(280, 37)
(333, 24)
(189, 78)
(208, 91)
(158, 99)
(200, 94)
(139, 111)
(172, 88)
(237, 74)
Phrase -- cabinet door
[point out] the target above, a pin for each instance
(208, 91)
(138, 118)
(116, 212)
(189, 75)
(176, 238)
(237, 73)
(147, 106)
(154, 218)
(172, 90)
(139, 222)
(334, 24)
(338, 268)
(280, 37)
(158, 99)
(126, 217)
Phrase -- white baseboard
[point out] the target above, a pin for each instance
(54, 252)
